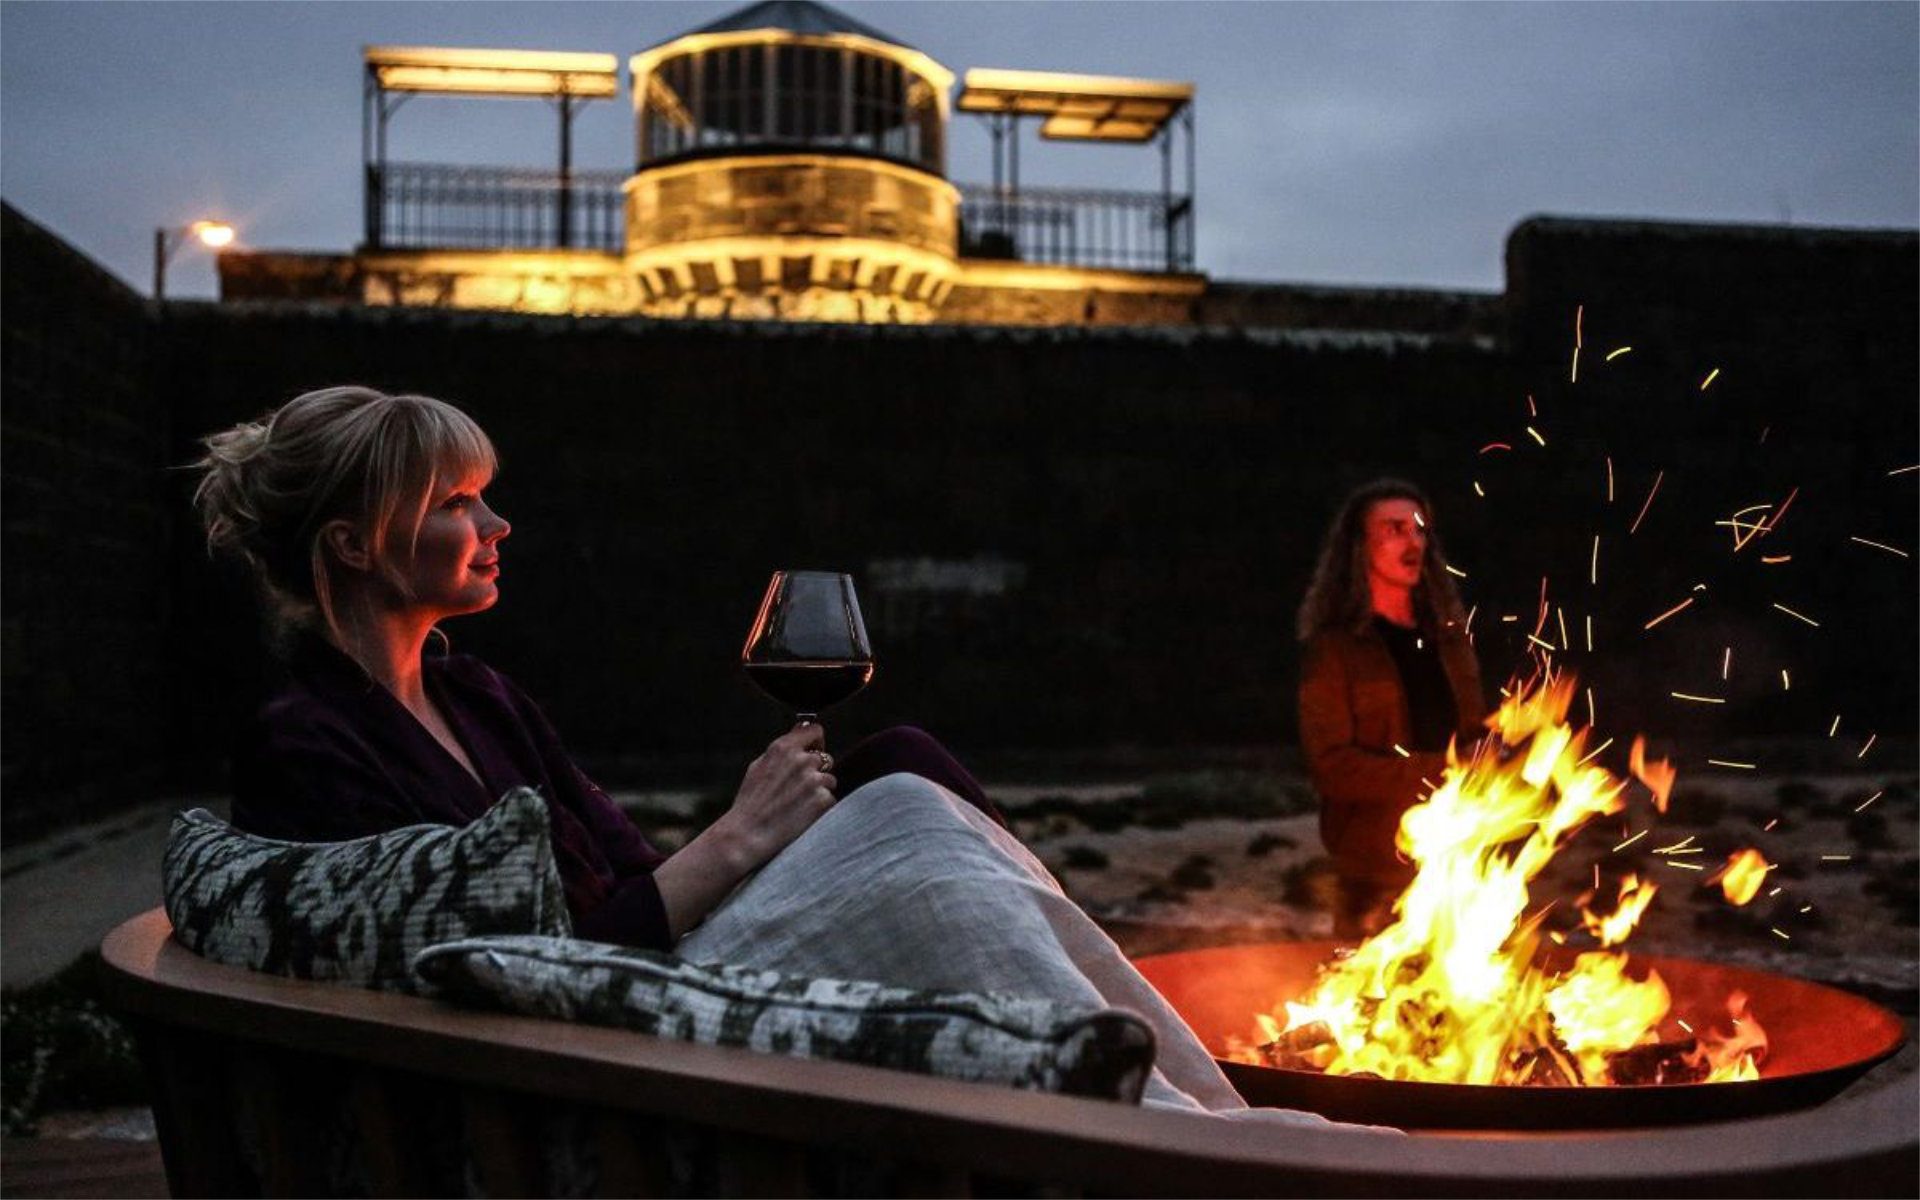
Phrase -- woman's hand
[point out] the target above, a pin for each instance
(784, 792)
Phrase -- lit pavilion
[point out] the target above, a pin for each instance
(789, 163)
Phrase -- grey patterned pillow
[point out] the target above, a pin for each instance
(1035, 1044)
(359, 911)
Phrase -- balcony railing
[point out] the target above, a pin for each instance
(432, 206)
(419, 206)
(1078, 227)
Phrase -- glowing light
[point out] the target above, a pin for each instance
(1535, 435)
(461, 71)
(1871, 738)
(1726, 662)
(1478, 491)
(1561, 617)
(1880, 546)
(1697, 699)
(1798, 616)
(1593, 563)
(1617, 353)
(1708, 381)
(1630, 841)
(1904, 470)
(1721, 762)
(1670, 612)
(1870, 800)
(1772, 559)
(1783, 937)
(1453, 570)
(1495, 446)
(1589, 633)
(1401, 750)
(1648, 503)
(1768, 827)
(212, 233)
(1835, 727)
(1609, 479)
(1684, 866)
(1591, 720)
(1786, 680)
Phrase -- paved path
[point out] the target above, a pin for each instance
(60, 895)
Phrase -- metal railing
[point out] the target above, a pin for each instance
(433, 206)
(1078, 227)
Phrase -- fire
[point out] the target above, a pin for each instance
(1458, 989)
(1744, 874)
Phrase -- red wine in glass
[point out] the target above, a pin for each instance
(808, 646)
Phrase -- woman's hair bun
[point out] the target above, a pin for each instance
(229, 512)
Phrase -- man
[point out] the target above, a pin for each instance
(1389, 680)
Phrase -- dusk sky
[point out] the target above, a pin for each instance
(1338, 143)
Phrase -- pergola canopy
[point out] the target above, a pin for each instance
(466, 72)
(1088, 108)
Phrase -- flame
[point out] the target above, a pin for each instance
(1456, 989)
(1613, 929)
(1745, 871)
(1658, 775)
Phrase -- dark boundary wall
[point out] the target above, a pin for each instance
(1151, 501)
(85, 686)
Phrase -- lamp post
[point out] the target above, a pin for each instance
(167, 243)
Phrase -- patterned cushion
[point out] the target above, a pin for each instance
(359, 911)
(1034, 1044)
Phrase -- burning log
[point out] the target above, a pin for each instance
(1659, 1063)
(1309, 1047)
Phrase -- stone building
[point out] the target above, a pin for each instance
(789, 163)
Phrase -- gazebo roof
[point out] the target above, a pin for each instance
(796, 16)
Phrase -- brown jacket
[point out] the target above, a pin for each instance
(1353, 711)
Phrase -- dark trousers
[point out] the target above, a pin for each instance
(917, 752)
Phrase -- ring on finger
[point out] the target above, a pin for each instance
(826, 760)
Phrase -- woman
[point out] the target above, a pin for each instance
(1389, 680)
(365, 519)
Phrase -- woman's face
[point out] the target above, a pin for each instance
(1396, 542)
(455, 566)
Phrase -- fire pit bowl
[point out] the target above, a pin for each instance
(1822, 1040)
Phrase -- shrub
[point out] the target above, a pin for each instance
(60, 1049)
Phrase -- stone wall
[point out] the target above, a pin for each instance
(88, 534)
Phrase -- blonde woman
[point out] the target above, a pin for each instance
(1389, 678)
(365, 519)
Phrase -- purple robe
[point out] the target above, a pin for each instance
(336, 756)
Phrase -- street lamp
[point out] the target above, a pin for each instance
(167, 243)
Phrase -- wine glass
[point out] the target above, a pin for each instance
(808, 647)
